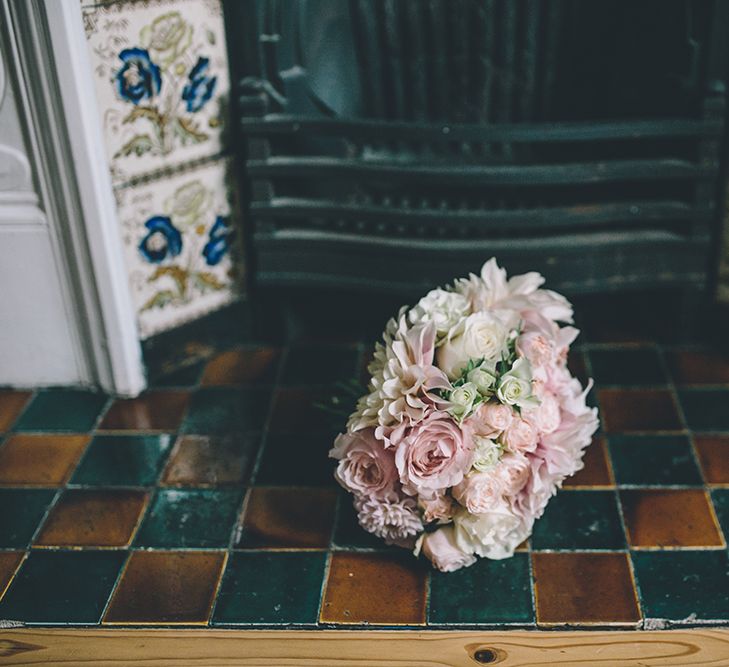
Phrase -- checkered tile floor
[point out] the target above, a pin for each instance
(209, 500)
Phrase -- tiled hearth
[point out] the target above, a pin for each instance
(209, 500)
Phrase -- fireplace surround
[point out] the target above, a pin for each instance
(389, 145)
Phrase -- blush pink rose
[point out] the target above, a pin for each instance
(480, 491)
(436, 507)
(434, 455)
(365, 467)
(536, 347)
(513, 473)
(521, 436)
(441, 548)
(491, 419)
(546, 417)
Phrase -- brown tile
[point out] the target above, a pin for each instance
(692, 367)
(241, 367)
(153, 411)
(11, 405)
(93, 518)
(9, 561)
(597, 469)
(40, 460)
(202, 460)
(713, 452)
(294, 410)
(669, 518)
(288, 518)
(167, 587)
(584, 588)
(638, 410)
(374, 588)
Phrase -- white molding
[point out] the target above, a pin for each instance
(77, 185)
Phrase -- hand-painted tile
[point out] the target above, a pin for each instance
(22, 511)
(697, 367)
(64, 410)
(39, 459)
(218, 411)
(9, 561)
(242, 367)
(85, 518)
(720, 497)
(580, 520)
(713, 453)
(646, 460)
(161, 75)
(597, 470)
(211, 460)
(669, 518)
(123, 460)
(683, 585)
(287, 518)
(62, 587)
(11, 405)
(374, 589)
(288, 594)
(584, 589)
(296, 460)
(706, 409)
(178, 234)
(490, 591)
(184, 518)
(627, 367)
(167, 587)
(320, 364)
(152, 411)
(626, 410)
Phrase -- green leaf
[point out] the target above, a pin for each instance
(138, 145)
(150, 113)
(159, 300)
(178, 274)
(188, 131)
(208, 281)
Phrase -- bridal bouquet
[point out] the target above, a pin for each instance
(472, 420)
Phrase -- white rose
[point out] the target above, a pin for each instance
(487, 453)
(444, 309)
(481, 336)
(462, 399)
(515, 386)
(494, 534)
(484, 377)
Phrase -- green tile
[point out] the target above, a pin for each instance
(69, 587)
(580, 520)
(678, 585)
(490, 591)
(123, 460)
(288, 593)
(220, 410)
(706, 409)
(627, 367)
(347, 531)
(297, 459)
(721, 505)
(653, 460)
(320, 364)
(198, 518)
(67, 410)
(22, 511)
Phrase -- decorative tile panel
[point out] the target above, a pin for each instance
(177, 234)
(161, 75)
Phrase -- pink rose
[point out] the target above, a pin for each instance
(521, 436)
(441, 548)
(491, 419)
(365, 467)
(536, 347)
(480, 491)
(436, 507)
(435, 454)
(513, 473)
(394, 519)
(546, 417)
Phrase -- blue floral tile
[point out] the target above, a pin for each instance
(162, 83)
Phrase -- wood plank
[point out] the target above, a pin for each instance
(182, 648)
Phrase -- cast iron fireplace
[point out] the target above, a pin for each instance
(394, 144)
